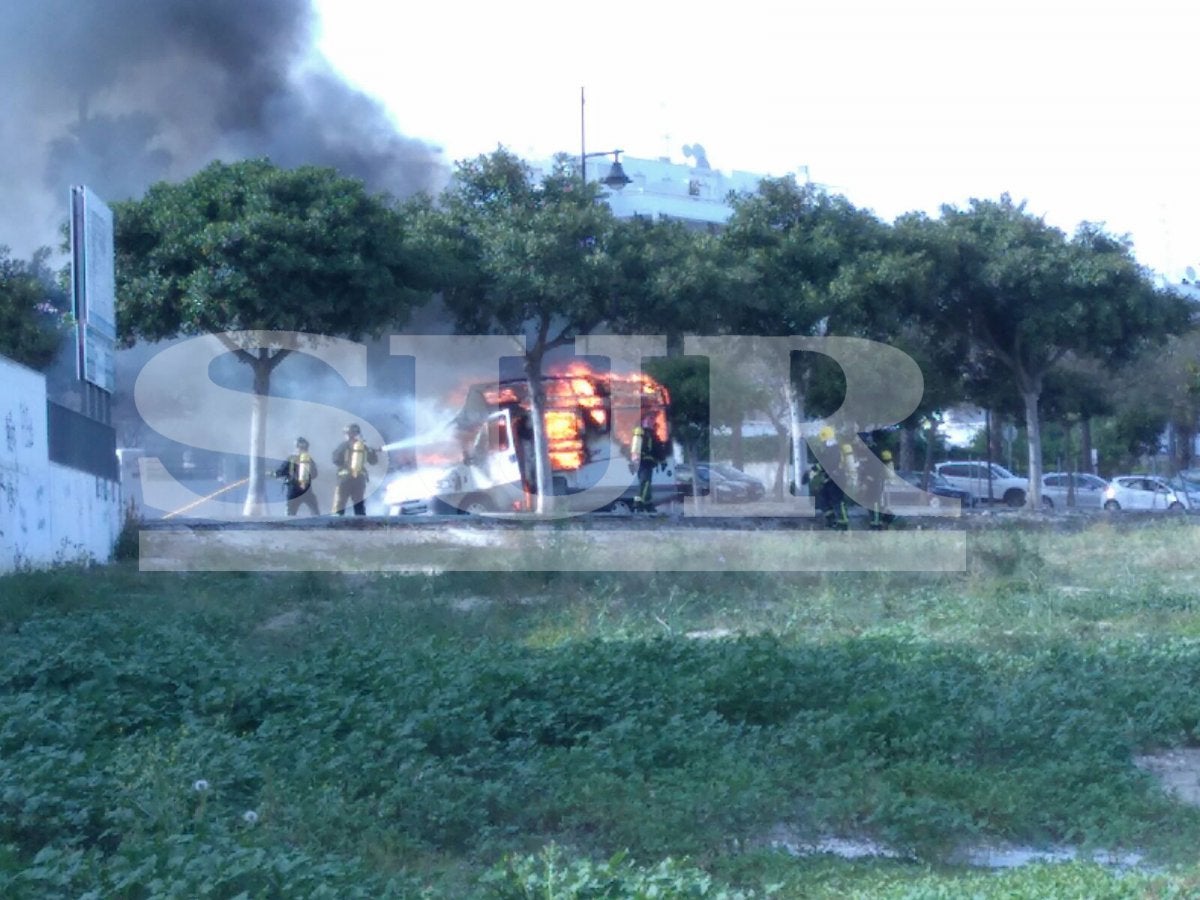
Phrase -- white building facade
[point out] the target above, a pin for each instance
(51, 510)
(693, 193)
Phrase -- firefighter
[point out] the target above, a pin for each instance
(643, 457)
(887, 517)
(816, 478)
(827, 494)
(836, 505)
(875, 494)
(352, 457)
(298, 472)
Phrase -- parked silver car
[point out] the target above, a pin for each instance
(1005, 487)
(1088, 490)
(1143, 492)
(1186, 482)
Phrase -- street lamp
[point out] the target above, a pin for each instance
(616, 177)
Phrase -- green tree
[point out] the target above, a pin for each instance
(686, 377)
(1173, 373)
(249, 246)
(809, 263)
(1160, 391)
(30, 324)
(940, 346)
(519, 255)
(672, 280)
(1027, 296)
(693, 413)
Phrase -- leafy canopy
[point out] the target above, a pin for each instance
(250, 246)
(1028, 295)
(30, 326)
(514, 252)
(672, 278)
(808, 261)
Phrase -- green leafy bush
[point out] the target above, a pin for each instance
(390, 742)
(550, 875)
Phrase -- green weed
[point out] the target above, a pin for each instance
(400, 736)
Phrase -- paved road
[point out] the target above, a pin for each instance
(228, 503)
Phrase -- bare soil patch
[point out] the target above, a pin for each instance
(1177, 770)
(286, 621)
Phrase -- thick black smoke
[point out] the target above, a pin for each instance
(118, 94)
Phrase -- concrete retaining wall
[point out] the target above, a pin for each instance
(49, 513)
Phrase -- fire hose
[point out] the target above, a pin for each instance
(228, 487)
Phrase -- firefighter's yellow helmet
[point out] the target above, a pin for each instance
(847, 449)
(886, 455)
(825, 434)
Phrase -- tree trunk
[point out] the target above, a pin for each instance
(736, 450)
(542, 472)
(1031, 396)
(1085, 445)
(1185, 439)
(930, 440)
(256, 490)
(908, 442)
(1072, 465)
(996, 438)
(779, 491)
(693, 456)
(796, 421)
(987, 437)
(674, 343)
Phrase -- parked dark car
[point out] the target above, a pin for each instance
(710, 483)
(938, 486)
(755, 489)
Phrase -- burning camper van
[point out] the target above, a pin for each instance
(484, 462)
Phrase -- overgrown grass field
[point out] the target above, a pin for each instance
(563, 735)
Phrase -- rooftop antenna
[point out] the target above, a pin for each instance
(1168, 256)
(696, 152)
(668, 141)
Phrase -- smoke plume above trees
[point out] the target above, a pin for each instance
(119, 94)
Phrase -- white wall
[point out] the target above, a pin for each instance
(48, 513)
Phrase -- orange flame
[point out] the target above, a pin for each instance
(435, 458)
(577, 396)
(561, 425)
(565, 439)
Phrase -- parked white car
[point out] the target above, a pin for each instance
(1143, 492)
(1089, 490)
(973, 476)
